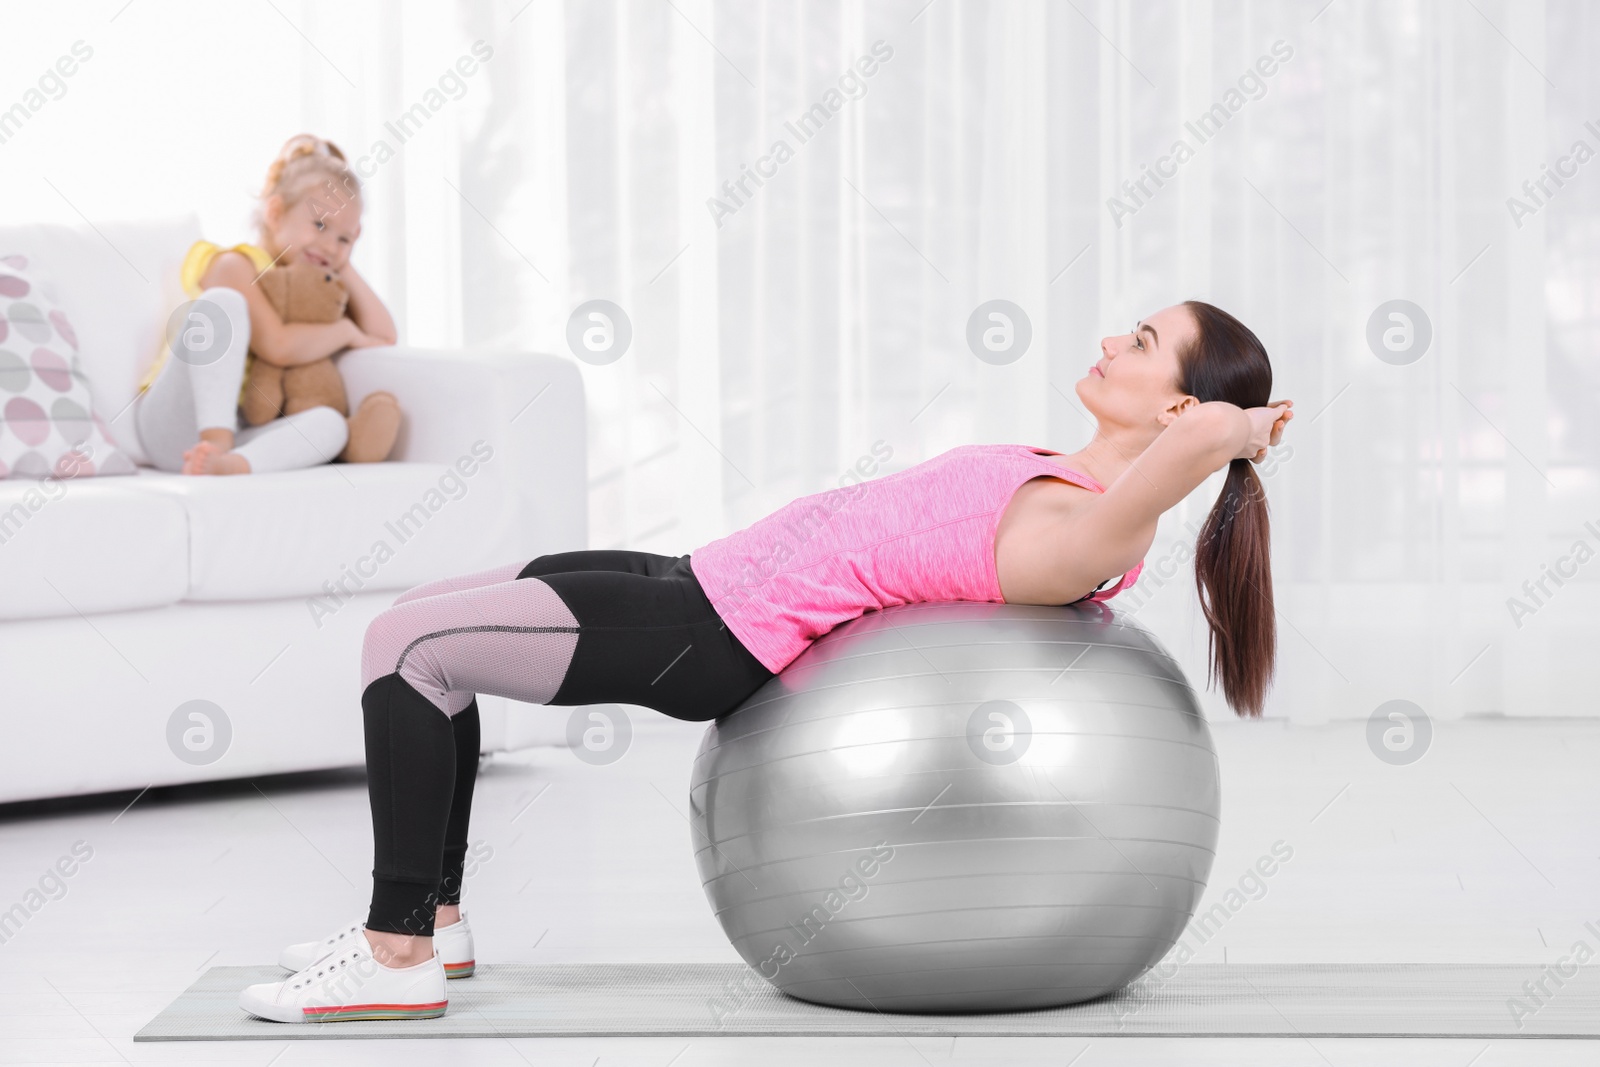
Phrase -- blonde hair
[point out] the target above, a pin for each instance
(302, 159)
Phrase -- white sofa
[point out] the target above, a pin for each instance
(124, 597)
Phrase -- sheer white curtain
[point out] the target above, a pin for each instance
(818, 319)
(1372, 164)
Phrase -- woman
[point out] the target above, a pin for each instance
(1182, 396)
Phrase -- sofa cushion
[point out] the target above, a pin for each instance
(48, 424)
(88, 545)
(328, 532)
(118, 282)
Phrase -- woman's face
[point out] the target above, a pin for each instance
(313, 229)
(1135, 381)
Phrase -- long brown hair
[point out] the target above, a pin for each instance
(1232, 565)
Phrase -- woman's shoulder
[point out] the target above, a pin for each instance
(959, 451)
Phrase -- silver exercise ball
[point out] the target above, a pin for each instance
(960, 806)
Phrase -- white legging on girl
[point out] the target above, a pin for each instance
(199, 390)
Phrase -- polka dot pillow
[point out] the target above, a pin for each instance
(48, 427)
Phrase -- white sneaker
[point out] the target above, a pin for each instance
(349, 984)
(452, 944)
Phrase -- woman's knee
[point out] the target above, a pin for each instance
(385, 642)
(389, 637)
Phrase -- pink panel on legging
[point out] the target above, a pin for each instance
(510, 638)
(506, 572)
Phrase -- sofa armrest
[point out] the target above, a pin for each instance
(528, 407)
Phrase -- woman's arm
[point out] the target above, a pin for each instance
(272, 339)
(366, 309)
(1115, 529)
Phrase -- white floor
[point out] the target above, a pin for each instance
(1486, 850)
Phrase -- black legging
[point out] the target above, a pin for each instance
(644, 634)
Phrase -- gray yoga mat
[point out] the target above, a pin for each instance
(690, 999)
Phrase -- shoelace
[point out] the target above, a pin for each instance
(331, 944)
(342, 934)
(327, 966)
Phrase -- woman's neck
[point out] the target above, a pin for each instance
(1108, 454)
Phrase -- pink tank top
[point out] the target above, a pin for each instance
(920, 534)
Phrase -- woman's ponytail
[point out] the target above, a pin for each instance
(1233, 565)
(1233, 576)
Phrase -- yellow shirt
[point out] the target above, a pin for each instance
(195, 264)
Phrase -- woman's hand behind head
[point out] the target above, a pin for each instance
(1266, 429)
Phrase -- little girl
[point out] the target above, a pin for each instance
(186, 413)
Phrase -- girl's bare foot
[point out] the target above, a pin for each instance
(206, 457)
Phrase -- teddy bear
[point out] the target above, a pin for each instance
(305, 292)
